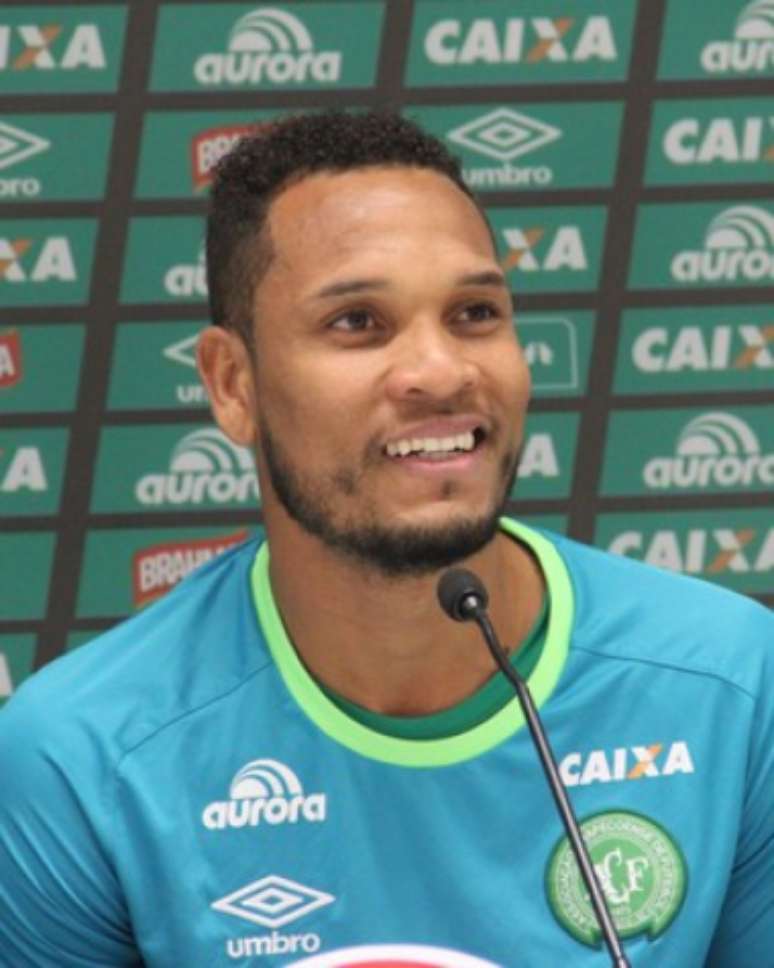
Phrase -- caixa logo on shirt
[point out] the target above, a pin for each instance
(265, 791)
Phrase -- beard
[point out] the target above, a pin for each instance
(397, 551)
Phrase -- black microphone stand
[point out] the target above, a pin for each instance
(473, 608)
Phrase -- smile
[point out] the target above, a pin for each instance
(434, 448)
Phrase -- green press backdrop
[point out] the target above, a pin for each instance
(624, 152)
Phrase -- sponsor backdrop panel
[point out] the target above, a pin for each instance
(504, 146)
(558, 348)
(690, 452)
(228, 46)
(45, 261)
(178, 467)
(39, 367)
(721, 40)
(165, 261)
(550, 249)
(126, 570)
(627, 292)
(701, 349)
(548, 456)
(41, 159)
(17, 654)
(723, 140)
(154, 367)
(25, 570)
(57, 48)
(474, 42)
(732, 547)
(31, 470)
(711, 244)
(179, 149)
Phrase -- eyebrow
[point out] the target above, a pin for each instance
(348, 287)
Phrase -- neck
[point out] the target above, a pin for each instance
(384, 642)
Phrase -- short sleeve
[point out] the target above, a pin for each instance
(745, 934)
(61, 904)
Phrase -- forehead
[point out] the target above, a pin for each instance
(374, 214)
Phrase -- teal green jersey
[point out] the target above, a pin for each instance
(181, 792)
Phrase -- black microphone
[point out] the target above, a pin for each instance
(463, 597)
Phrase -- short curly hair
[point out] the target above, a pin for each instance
(277, 154)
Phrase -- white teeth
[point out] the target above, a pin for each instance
(431, 445)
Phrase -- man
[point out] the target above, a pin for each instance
(296, 754)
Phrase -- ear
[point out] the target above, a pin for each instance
(226, 370)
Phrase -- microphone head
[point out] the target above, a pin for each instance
(461, 594)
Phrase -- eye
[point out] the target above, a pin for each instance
(480, 312)
(353, 321)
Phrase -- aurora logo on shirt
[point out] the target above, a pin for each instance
(265, 791)
(641, 870)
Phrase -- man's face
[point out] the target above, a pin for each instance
(390, 387)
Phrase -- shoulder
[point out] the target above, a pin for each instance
(196, 645)
(625, 609)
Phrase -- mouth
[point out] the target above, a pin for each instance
(441, 448)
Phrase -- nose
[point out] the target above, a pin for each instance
(430, 363)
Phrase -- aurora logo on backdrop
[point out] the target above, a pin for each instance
(203, 467)
(187, 279)
(505, 135)
(738, 246)
(11, 371)
(714, 449)
(268, 45)
(158, 568)
(752, 47)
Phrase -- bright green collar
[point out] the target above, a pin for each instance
(465, 715)
(428, 752)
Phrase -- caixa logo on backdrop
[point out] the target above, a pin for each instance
(461, 43)
(60, 48)
(45, 261)
(707, 348)
(31, 470)
(549, 249)
(708, 141)
(732, 547)
(272, 46)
